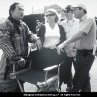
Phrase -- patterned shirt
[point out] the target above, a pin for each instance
(14, 38)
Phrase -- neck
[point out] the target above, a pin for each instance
(14, 17)
(81, 16)
(13, 20)
(69, 18)
(52, 24)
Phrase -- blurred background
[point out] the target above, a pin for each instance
(37, 6)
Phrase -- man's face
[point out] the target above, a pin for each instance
(77, 12)
(18, 13)
(69, 14)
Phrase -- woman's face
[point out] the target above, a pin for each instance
(50, 16)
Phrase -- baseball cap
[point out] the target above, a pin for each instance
(81, 5)
(68, 8)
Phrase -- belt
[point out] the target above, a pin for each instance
(85, 52)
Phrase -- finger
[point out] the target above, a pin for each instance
(58, 51)
(61, 50)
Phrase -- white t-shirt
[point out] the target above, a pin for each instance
(70, 27)
(52, 36)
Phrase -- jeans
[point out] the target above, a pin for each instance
(66, 71)
(81, 80)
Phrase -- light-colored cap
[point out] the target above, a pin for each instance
(82, 6)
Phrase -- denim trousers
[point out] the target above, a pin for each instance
(66, 71)
(81, 80)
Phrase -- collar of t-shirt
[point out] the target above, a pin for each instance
(52, 32)
(52, 36)
(70, 21)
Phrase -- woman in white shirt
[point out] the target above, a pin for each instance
(51, 34)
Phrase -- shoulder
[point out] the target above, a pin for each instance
(62, 22)
(60, 26)
(89, 19)
(6, 26)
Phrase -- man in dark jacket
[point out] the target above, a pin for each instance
(14, 38)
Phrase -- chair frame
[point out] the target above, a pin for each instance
(47, 82)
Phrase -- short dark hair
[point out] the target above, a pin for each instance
(13, 7)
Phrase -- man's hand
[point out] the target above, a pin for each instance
(17, 59)
(39, 44)
(21, 62)
(61, 47)
(14, 58)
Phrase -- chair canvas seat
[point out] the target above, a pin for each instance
(34, 76)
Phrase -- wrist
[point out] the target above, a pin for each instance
(66, 42)
(37, 39)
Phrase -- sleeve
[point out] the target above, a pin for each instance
(41, 33)
(5, 43)
(30, 35)
(86, 25)
(62, 35)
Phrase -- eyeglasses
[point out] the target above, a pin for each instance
(50, 15)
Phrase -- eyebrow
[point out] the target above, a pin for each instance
(21, 8)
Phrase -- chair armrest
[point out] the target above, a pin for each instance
(50, 68)
(14, 74)
(53, 78)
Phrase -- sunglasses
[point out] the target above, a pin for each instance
(67, 11)
(50, 15)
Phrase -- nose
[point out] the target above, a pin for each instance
(22, 12)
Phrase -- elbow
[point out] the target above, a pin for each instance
(82, 34)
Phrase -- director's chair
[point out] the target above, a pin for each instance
(43, 79)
